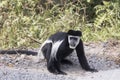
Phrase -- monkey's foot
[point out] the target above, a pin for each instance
(61, 72)
(92, 70)
(65, 61)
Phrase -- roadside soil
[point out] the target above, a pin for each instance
(103, 56)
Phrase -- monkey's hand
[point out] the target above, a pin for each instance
(92, 70)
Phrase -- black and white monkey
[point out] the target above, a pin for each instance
(61, 44)
(56, 48)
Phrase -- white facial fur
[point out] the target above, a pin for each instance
(76, 43)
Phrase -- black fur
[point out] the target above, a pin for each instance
(54, 60)
(75, 33)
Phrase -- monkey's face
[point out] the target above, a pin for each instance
(73, 41)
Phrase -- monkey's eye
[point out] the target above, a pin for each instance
(73, 38)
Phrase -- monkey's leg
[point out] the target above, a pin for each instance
(66, 61)
(57, 66)
(51, 68)
(50, 60)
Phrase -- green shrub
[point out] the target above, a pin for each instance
(22, 26)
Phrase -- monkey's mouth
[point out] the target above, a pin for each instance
(72, 46)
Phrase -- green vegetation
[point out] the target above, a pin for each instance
(22, 22)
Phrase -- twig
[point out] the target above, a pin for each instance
(33, 39)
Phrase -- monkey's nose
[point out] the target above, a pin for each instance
(72, 44)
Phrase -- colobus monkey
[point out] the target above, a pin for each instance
(61, 44)
(56, 48)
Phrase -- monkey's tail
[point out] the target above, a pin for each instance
(18, 52)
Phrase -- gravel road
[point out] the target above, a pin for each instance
(103, 56)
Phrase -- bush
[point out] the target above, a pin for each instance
(23, 22)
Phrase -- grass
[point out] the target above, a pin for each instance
(22, 27)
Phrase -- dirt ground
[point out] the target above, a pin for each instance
(103, 56)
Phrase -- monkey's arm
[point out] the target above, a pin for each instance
(18, 52)
(82, 57)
